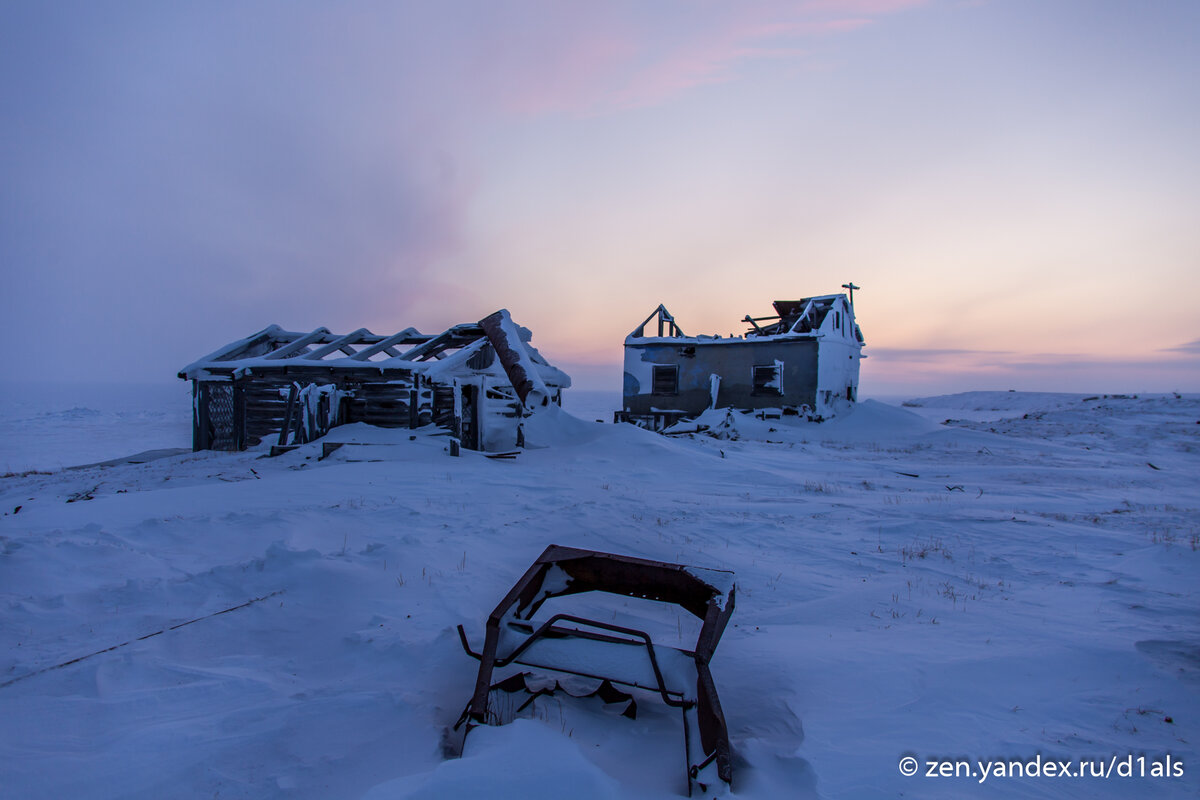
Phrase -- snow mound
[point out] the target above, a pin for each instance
(550, 426)
(868, 420)
(524, 759)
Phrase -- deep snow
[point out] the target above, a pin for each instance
(1018, 581)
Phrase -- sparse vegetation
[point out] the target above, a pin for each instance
(25, 474)
(918, 550)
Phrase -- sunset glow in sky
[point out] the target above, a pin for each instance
(1015, 184)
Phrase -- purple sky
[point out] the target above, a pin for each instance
(1014, 183)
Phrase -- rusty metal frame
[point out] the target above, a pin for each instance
(591, 570)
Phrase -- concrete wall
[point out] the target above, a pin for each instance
(838, 371)
(839, 356)
(733, 360)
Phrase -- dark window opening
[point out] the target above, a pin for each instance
(768, 379)
(666, 380)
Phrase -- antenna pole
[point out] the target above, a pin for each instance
(851, 287)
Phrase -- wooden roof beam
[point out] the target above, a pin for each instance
(458, 336)
(292, 348)
(341, 343)
(664, 318)
(809, 311)
(233, 350)
(429, 348)
(387, 345)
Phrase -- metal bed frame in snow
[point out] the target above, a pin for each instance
(585, 647)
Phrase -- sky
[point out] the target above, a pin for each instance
(1013, 183)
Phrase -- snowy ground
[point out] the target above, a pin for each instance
(1021, 581)
(47, 426)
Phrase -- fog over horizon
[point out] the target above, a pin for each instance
(1013, 184)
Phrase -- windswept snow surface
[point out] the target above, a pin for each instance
(995, 588)
(48, 426)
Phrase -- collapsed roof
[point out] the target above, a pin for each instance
(792, 318)
(274, 350)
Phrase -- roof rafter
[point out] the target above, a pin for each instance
(341, 343)
(294, 347)
(385, 346)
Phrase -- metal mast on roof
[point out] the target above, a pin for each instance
(851, 287)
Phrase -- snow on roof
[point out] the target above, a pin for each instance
(792, 318)
(275, 349)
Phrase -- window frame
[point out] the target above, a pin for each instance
(656, 381)
(762, 390)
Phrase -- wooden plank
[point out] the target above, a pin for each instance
(239, 416)
(475, 441)
(199, 418)
(287, 417)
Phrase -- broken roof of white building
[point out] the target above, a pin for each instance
(792, 318)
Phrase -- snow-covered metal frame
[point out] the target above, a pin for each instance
(681, 678)
(811, 347)
(476, 380)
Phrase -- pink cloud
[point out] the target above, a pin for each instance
(810, 27)
(582, 68)
(596, 59)
(696, 66)
(870, 7)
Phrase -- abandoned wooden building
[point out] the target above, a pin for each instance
(804, 360)
(476, 380)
